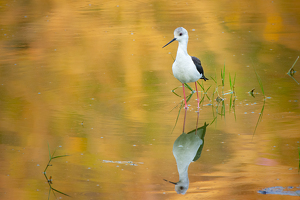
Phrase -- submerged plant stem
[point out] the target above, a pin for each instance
(51, 157)
(259, 118)
(262, 110)
(291, 71)
(260, 82)
(293, 65)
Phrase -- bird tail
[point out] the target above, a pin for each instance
(203, 77)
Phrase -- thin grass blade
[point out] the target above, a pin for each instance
(223, 75)
(189, 97)
(222, 78)
(59, 156)
(289, 72)
(202, 87)
(172, 57)
(260, 82)
(294, 79)
(175, 92)
(206, 92)
(53, 192)
(49, 193)
(259, 118)
(53, 152)
(61, 192)
(230, 84)
(213, 121)
(188, 87)
(223, 108)
(234, 109)
(49, 151)
(213, 79)
(201, 100)
(177, 116)
(208, 89)
(174, 108)
(230, 103)
(234, 79)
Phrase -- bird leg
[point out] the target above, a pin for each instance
(198, 100)
(197, 121)
(184, 120)
(184, 96)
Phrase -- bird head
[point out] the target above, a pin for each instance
(180, 34)
(181, 186)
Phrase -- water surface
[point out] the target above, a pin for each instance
(92, 80)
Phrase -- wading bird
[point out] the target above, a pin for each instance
(186, 68)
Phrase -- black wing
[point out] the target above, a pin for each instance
(199, 67)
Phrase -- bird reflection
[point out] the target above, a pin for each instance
(187, 148)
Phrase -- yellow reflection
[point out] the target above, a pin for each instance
(76, 144)
(273, 28)
(64, 63)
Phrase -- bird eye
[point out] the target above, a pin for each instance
(180, 34)
(181, 187)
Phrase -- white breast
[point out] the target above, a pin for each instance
(184, 69)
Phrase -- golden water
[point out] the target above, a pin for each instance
(92, 80)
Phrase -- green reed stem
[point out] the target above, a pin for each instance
(260, 82)
(223, 75)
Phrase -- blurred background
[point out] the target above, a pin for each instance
(91, 79)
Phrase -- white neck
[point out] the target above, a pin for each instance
(183, 176)
(182, 48)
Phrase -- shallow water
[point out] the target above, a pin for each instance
(92, 80)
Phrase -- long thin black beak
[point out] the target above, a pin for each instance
(170, 42)
(170, 182)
